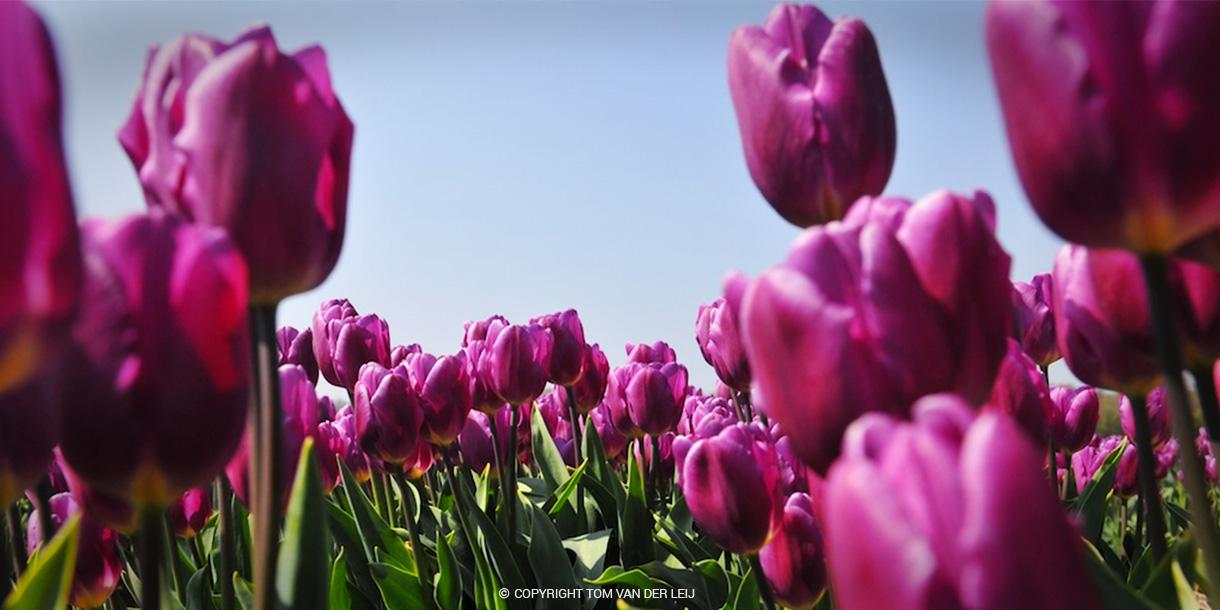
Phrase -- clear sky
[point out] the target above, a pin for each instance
(520, 158)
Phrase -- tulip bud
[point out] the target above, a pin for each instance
(567, 339)
(191, 512)
(1109, 117)
(158, 375)
(720, 342)
(344, 341)
(339, 441)
(1074, 417)
(388, 413)
(1089, 459)
(249, 139)
(910, 503)
(816, 120)
(1035, 323)
(443, 386)
(659, 352)
(296, 347)
(98, 567)
(1158, 417)
(794, 562)
(590, 389)
(475, 441)
(731, 484)
(301, 416)
(1020, 391)
(513, 363)
(613, 441)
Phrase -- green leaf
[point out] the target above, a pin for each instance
(198, 591)
(616, 575)
(339, 595)
(564, 495)
(375, 533)
(1113, 593)
(304, 560)
(635, 522)
(448, 589)
(1091, 505)
(243, 592)
(45, 584)
(546, 454)
(343, 529)
(547, 557)
(487, 587)
(1186, 592)
(399, 588)
(601, 470)
(748, 597)
(498, 551)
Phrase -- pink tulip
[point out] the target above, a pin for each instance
(98, 566)
(388, 413)
(565, 358)
(716, 332)
(590, 389)
(794, 562)
(191, 512)
(1034, 319)
(1158, 417)
(1020, 391)
(301, 416)
(296, 347)
(731, 484)
(443, 386)
(344, 341)
(1075, 415)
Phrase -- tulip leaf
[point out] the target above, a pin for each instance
(304, 561)
(1091, 505)
(563, 496)
(748, 597)
(243, 592)
(45, 584)
(498, 551)
(595, 453)
(375, 533)
(1112, 592)
(546, 454)
(343, 529)
(399, 588)
(552, 569)
(338, 594)
(448, 587)
(616, 575)
(635, 522)
(198, 593)
(487, 588)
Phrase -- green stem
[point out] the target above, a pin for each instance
(1150, 493)
(417, 545)
(16, 539)
(574, 420)
(500, 472)
(171, 555)
(764, 587)
(228, 543)
(267, 452)
(1169, 353)
(510, 490)
(462, 509)
(150, 547)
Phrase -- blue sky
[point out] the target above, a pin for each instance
(521, 158)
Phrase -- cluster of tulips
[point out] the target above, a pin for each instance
(883, 433)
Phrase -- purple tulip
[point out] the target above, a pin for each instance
(244, 137)
(659, 352)
(443, 386)
(339, 441)
(158, 378)
(512, 362)
(479, 330)
(1088, 460)
(1075, 415)
(645, 451)
(106, 510)
(399, 353)
(296, 347)
(1158, 417)
(720, 342)
(705, 415)
(565, 359)
(475, 441)
(190, 513)
(794, 561)
(40, 266)
(898, 301)
(1203, 445)
(345, 341)
(590, 389)
(1126, 481)
(388, 413)
(482, 397)
(816, 120)
(1200, 306)
(554, 410)
(98, 566)
(301, 418)
(1020, 391)
(655, 397)
(613, 441)
(731, 484)
(1109, 112)
(948, 511)
(1034, 320)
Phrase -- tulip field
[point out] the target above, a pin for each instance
(883, 432)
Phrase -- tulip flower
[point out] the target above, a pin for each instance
(648, 449)
(245, 137)
(794, 475)
(1035, 323)
(105, 509)
(419, 463)
(1109, 116)
(590, 389)
(898, 301)
(475, 441)
(1158, 417)
(659, 352)
(399, 353)
(720, 342)
(340, 441)
(731, 484)
(794, 562)
(705, 415)
(40, 265)
(29, 427)
(1074, 416)
(344, 341)
(191, 512)
(388, 413)
(443, 387)
(948, 511)
(554, 409)
(613, 441)
(296, 347)
(816, 120)
(655, 397)
(480, 329)
(301, 415)
(565, 359)
(158, 375)
(512, 362)
(1020, 391)
(98, 566)
(482, 397)
(1204, 446)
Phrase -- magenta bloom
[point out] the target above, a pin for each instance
(731, 483)
(655, 396)
(659, 352)
(159, 373)
(1109, 112)
(1203, 445)
(40, 265)
(719, 340)
(948, 511)
(482, 397)
(98, 566)
(481, 329)
(1087, 460)
(345, 341)
(399, 353)
(512, 362)
(1158, 417)
(475, 441)
(565, 358)
(245, 137)
(388, 413)
(590, 389)
(301, 416)
(1020, 391)
(443, 386)
(339, 441)
(816, 120)
(190, 513)
(794, 561)
(1074, 417)
(898, 301)
(613, 441)
(296, 347)
(1034, 320)
(104, 509)
(554, 410)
